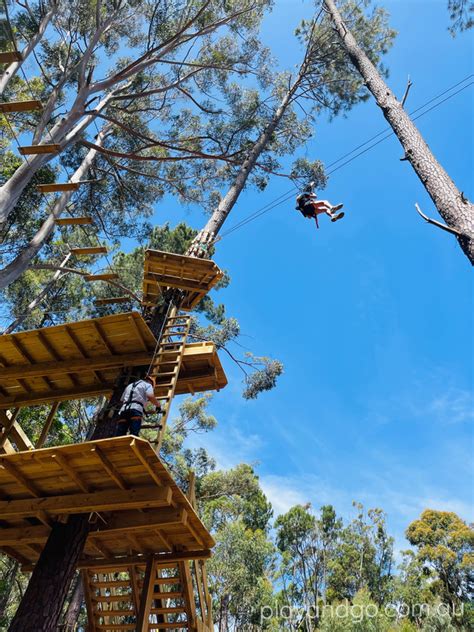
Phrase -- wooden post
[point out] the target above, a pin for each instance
(47, 426)
(188, 594)
(87, 594)
(146, 596)
(8, 426)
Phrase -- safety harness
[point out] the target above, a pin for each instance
(128, 404)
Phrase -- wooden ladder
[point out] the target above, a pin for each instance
(166, 365)
(154, 599)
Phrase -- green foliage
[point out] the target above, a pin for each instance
(461, 14)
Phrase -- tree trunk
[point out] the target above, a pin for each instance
(454, 208)
(42, 602)
(74, 607)
(13, 68)
(15, 268)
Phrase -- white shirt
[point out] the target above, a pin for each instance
(138, 392)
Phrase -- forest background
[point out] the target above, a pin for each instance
(375, 403)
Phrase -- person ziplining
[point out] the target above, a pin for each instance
(134, 401)
(310, 207)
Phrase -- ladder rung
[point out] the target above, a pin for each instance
(111, 584)
(73, 221)
(170, 610)
(21, 106)
(106, 276)
(39, 149)
(55, 187)
(93, 250)
(8, 57)
(177, 594)
(167, 580)
(111, 598)
(156, 627)
(111, 301)
(114, 613)
(116, 626)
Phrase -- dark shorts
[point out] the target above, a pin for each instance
(129, 421)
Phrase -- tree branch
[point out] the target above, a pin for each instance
(448, 229)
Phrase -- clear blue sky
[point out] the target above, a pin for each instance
(371, 316)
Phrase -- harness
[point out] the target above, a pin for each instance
(130, 401)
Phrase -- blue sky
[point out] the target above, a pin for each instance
(372, 316)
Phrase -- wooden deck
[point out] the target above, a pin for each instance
(168, 270)
(83, 359)
(140, 508)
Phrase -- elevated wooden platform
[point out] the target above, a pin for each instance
(82, 359)
(71, 361)
(141, 509)
(168, 270)
(201, 369)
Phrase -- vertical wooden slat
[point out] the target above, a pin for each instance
(146, 596)
(47, 425)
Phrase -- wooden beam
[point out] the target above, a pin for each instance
(87, 594)
(92, 250)
(73, 221)
(10, 56)
(7, 420)
(47, 426)
(105, 276)
(131, 521)
(116, 564)
(108, 500)
(146, 596)
(55, 187)
(75, 366)
(20, 478)
(26, 150)
(21, 106)
(16, 536)
(109, 467)
(73, 475)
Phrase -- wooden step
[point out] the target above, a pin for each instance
(105, 276)
(21, 106)
(157, 627)
(111, 584)
(93, 250)
(111, 598)
(55, 187)
(112, 301)
(169, 610)
(10, 56)
(73, 221)
(177, 594)
(117, 626)
(26, 150)
(114, 613)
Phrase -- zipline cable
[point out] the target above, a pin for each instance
(289, 194)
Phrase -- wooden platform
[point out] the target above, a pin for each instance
(141, 509)
(26, 150)
(82, 359)
(201, 369)
(194, 276)
(10, 56)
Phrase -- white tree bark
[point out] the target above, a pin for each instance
(15, 268)
(13, 68)
(454, 208)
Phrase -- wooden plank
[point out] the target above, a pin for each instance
(73, 475)
(105, 276)
(87, 595)
(21, 106)
(73, 221)
(92, 250)
(56, 187)
(20, 478)
(8, 57)
(85, 364)
(146, 596)
(109, 500)
(47, 426)
(109, 467)
(27, 150)
(7, 420)
(187, 587)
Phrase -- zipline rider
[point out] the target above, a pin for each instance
(134, 399)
